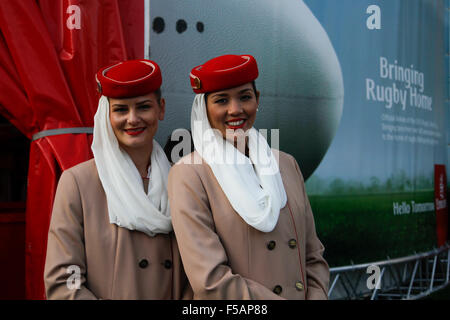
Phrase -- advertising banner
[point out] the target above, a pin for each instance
(357, 90)
(373, 193)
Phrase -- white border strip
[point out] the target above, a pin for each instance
(147, 29)
(55, 132)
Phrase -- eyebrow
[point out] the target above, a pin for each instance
(244, 90)
(145, 101)
(217, 95)
(126, 105)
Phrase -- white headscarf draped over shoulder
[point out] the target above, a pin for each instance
(253, 184)
(128, 204)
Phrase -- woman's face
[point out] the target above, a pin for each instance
(135, 120)
(232, 109)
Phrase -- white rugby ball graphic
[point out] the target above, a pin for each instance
(300, 81)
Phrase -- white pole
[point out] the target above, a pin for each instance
(147, 29)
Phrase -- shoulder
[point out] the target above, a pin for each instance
(284, 159)
(192, 158)
(72, 184)
(287, 163)
(190, 173)
(82, 175)
(191, 164)
(79, 186)
(86, 170)
(283, 156)
(83, 169)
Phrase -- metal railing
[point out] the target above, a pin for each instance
(408, 278)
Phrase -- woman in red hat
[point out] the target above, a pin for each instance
(110, 234)
(239, 209)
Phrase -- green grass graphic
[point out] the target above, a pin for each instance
(363, 228)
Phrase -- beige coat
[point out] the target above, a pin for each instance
(225, 258)
(114, 262)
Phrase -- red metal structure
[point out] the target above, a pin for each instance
(49, 53)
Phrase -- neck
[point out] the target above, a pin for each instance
(242, 145)
(141, 158)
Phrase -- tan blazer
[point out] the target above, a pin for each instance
(225, 258)
(114, 262)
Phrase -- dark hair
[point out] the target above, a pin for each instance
(157, 93)
(170, 144)
(253, 85)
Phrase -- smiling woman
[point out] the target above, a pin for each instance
(111, 213)
(135, 122)
(245, 227)
(233, 109)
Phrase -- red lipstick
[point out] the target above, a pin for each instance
(134, 131)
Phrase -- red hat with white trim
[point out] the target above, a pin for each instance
(223, 72)
(130, 78)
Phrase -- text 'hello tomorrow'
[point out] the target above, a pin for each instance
(407, 87)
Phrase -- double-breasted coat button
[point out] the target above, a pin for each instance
(143, 263)
(271, 245)
(167, 264)
(292, 243)
(299, 286)
(277, 289)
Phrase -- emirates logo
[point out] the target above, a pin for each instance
(197, 83)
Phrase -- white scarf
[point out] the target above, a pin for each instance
(128, 204)
(256, 193)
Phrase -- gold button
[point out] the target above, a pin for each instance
(197, 83)
(143, 263)
(292, 243)
(277, 289)
(271, 245)
(167, 264)
(299, 286)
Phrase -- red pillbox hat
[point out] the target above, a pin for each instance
(128, 79)
(223, 72)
